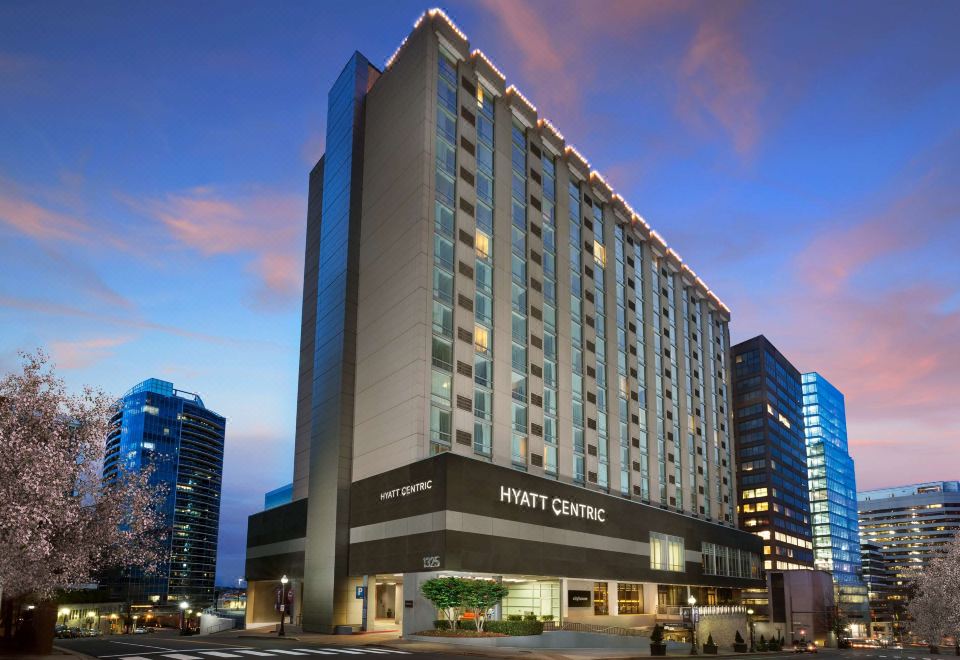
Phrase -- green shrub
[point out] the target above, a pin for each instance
(514, 617)
(710, 640)
(529, 616)
(546, 617)
(463, 624)
(514, 627)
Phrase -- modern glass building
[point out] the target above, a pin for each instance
(833, 498)
(773, 493)
(175, 434)
(505, 371)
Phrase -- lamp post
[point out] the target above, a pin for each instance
(750, 623)
(64, 612)
(283, 602)
(183, 611)
(693, 616)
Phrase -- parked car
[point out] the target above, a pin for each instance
(139, 631)
(804, 647)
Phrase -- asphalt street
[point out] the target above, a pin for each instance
(161, 646)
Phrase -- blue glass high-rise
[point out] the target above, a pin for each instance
(173, 432)
(833, 496)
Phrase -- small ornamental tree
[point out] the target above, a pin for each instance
(62, 523)
(739, 638)
(936, 607)
(481, 596)
(447, 594)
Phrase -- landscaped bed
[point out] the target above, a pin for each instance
(459, 633)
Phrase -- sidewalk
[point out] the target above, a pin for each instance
(392, 639)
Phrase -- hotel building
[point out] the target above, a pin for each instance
(505, 373)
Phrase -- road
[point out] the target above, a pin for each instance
(167, 645)
(170, 646)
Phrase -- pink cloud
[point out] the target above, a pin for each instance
(717, 81)
(265, 226)
(83, 353)
(37, 221)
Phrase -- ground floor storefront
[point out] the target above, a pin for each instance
(565, 553)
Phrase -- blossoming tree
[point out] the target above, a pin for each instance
(936, 608)
(61, 522)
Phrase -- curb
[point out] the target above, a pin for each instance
(71, 653)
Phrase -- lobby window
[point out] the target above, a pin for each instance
(600, 601)
(666, 552)
(629, 598)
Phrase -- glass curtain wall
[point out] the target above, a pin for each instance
(576, 333)
(549, 314)
(518, 271)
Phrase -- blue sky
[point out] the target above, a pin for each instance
(804, 158)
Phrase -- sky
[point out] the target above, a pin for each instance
(803, 158)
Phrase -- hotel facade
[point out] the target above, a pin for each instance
(505, 373)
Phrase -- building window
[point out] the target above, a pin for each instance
(666, 552)
(600, 604)
(629, 598)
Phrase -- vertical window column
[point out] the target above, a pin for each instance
(518, 271)
(658, 376)
(483, 321)
(576, 334)
(641, 373)
(549, 315)
(671, 331)
(622, 385)
(441, 414)
(599, 279)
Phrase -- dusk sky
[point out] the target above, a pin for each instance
(803, 158)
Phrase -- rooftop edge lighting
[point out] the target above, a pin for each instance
(478, 53)
(512, 89)
(541, 123)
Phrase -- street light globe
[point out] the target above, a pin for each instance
(184, 604)
(284, 580)
(64, 611)
(750, 612)
(691, 601)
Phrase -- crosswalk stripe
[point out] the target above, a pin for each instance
(220, 654)
(287, 652)
(252, 652)
(367, 649)
(349, 651)
(182, 656)
(133, 657)
(387, 649)
(320, 651)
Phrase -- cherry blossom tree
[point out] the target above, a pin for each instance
(936, 608)
(61, 523)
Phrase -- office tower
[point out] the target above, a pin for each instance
(175, 434)
(878, 580)
(908, 525)
(833, 498)
(504, 370)
(773, 496)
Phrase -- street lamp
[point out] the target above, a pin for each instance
(691, 601)
(750, 621)
(183, 611)
(283, 602)
(64, 612)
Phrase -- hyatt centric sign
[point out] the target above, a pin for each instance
(558, 505)
(404, 491)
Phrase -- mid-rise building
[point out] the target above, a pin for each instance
(773, 492)
(833, 499)
(877, 578)
(908, 525)
(505, 371)
(173, 433)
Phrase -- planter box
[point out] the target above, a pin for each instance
(658, 649)
(740, 648)
(710, 650)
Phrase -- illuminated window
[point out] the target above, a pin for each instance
(666, 552)
(483, 245)
(599, 254)
(481, 339)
